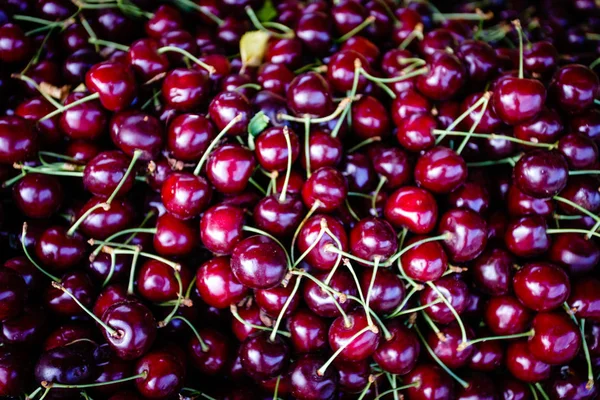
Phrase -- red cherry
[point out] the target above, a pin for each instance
(440, 170)
(574, 87)
(185, 195)
(523, 365)
(230, 167)
(164, 375)
(466, 234)
(556, 339)
(18, 141)
(362, 346)
(541, 286)
(259, 262)
(38, 196)
(454, 290)
(505, 315)
(221, 228)
(114, 83)
(424, 262)
(517, 99)
(318, 257)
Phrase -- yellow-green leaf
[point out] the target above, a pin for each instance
(267, 12)
(253, 46)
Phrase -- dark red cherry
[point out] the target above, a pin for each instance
(407, 103)
(185, 195)
(541, 286)
(540, 58)
(284, 51)
(318, 257)
(413, 208)
(173, 237)
(517, 99)
(188, 136)
(424, 262)
(18, 141)
(487, 121)
(221, 228)
(587, 123)
(445, 77)
(226, 106)
(249, 314)
(360, 347)
(523, 365)
(373, 237)
(454, 290)
(370, 118)
(38, 196)
(164, 375)
(259, 262)
(391, 163)
(279, 218)
(135, 130)
(114, 83)
(102, 223)
(59, 250)
(272, 301)
(387, 291)
(327, 186)
(263, 358)
(580, 151)
(466, 233)
(307, 384)
(433, 383)
(104, 173)
(211, 361)
(572, 387)
(359, 172)
(146, 61)
(230, 167)
(449, 350)
(487, 356)
(574, 88)
(541, 173)
(13, 293)
(324, 150)
(272, 149)
(416, 132)
(472, 196)
(435, 40)
(156, 282)
(135, 329)
(505, 315)
(110, 295)
(79, 63)
(85, 121)
(400, 354)
(513, 389)
(546, 127)
(16, 46)
(492, 271)
(520, 204)
(79, 285)
(440, 170)
(582, 191)
(479, 59)
(320, 301)
(274, 77)
(575, 253)
(308, 330)
(13, 372)
(34, 109)
(165, 19)
(28, 272)
(585, 299)
(314, 30)
(309, 93)
(527, 237)
(340, 71)
(186, 89)
(217, 285)
(26, 329)
(556, 338)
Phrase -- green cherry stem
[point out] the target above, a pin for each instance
(286, 32)
(517, 24)
(468, 343)
(284, 309)
(26, 252)
(398, 309)
(368, 21)
(64, 108)
(463, 331)
(478, 118)
(321, 371)
(288, 171)
(492, 136)
(460, 118)
(214, 143)
(203, 345)
(52, 385)
(211, 70)
(37, 87)
(588, 359)
(396, 390)
(539, 387)
(236, 315)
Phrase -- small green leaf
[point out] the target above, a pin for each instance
(267, 12)
(258, 123)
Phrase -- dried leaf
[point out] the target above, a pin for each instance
(59, 93)
(253, 46)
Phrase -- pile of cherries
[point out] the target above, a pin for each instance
(299, 199)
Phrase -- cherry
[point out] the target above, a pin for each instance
(263, 358)
(398, 355)
(110, 295)
(582, 191)
(407, 103)
(13, 372)
(416, 132)
(575, 253)
(230, 167)
(572, 387)
(580, 151)
(505, 315)
(341, 70)
(165, 19)
(353, 377)
(587, 123)
(314, 30)
(84, 121)
(540, 58)
(36, 108)
(217, 284)
(324, 150)
(146, 61)
(487, 356)
(546, 127)
(307, 384)
(25, 329)
(424, 262)
(163, 375)
(520, 204)
(541, 286)
(527, 237)
(284, 51)
(556, 339)
(308, 331)
(279, 218)
(185, 195)
(574, 88)
(18, 140)
(387, 291)
(448, 350)
(157, 282)
(114, 83)
(59, 249)
(12, 294)
(272, 301)
(28, 272)
(134, 329)
(309, 93)
(431, 383)
(319, 257)
(328, 187)
(173, 237)
(102, 223)
(16, 46)
(454, 290)
(321, 302)
(134, 130)
(38, 196)
(225, 107)
(186, 89)
(492, 271)
(513, 389)
(392, 164)
(259, 262)
(523, 365)
(104, 173)
(444, 78)
(471, 196)
(212, 360)
(76, 283)
(479, 59)
(466, 234)
(373, 238)
(440, 170)
(347, 15)
(359, 172)
(274, 77)
(584, 299)
(188, 136)
(516, 100)
(272, 149)
(413, 208)
(221, 228)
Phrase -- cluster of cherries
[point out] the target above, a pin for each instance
(348, 199)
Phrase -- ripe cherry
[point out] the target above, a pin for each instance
(413, 208)
(523, 365)
(449, 350)
(387, 292)
(517, 100)
(259, 262)
(163, 377)
(104, 173)
(580, 151)
(319, 257)
(307, 384)
(578, 255)
(114, 83)
(433, 383)
(38, 196)
(185, 195)
(415, 132)
(173, 237)
(18, 140)
(398, 355)
(230, 167)
(321, 302)
(326, 186)
(556, 339)
(454, 290)
(541, 173)
(309, 93)
(134, 329)
(16, 46)
(272, 149)
(424, 262)
(520, 204)
(466, 234)
(77, 284)
(263, 358)
(102, 223)
(59, 249)
(541, 286)
(13, 293)
(505, 315)
(279, 218)
(527, 237)
(221, 228)
(546, 127)
(585, 299)
(440, 170)
(574, 88)
(135, 130)
(157, 282)
(324, 150)
(407, 103)
(492, 271)
(212, 359)
(308, 331)
(444, 77)
(371, 238)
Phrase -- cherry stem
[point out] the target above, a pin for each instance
(585, 172)
(112, 237)
(433, 326)
(368, 21)
(136, 155)
(338, 110)
(398, 309)
(396, 256)
(31, 260)
(312, 210)
(463, 331)
(517, 24)
(288, 170)
(492, 136)
(339, 259)
(358, 288)
(202, 9)
(113, 261)
(214, 143)
(382, 181)
(263, 233)
(464, 345)
(370, 289)
(386, 333)
(395, 390)
(37, 87)
(287, 33)
(56, 170)
(508, 160)
(88, 28)
(211, 70)
(203, 345)
(533, 392)
(76, 103)
(307, 144)
(595, 63)
(364, 392)
(461, 117)
(416, 309)
(234, 312)
(583, 231)
(351, 211)
(581, 209)
(107, 43)
(438, 361)
(45, 394)
(539, 387)
(313, 244)
(34, 393)
(416, 33)
(365, 143)
(276, 391)
(476, 16)
(174, 265)
(284, 309)
(588, 359)
(321, 371)
(484, 107)
(330, 291)
(253, 182)
(178, 302)
(134, 259)
(52, 385)
(73, 228)
(112, 332)
(402, 77)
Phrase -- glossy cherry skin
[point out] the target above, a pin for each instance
(454, 290)
(79, 285)
(60, 251)
(580, 151)
(272, 301)
(173, 237)
(28, 328)
(110, 295)
(307, 384)
(546, 127)
(279, 218)
(400, 354)
(221, 228)
(38, 196)
(135, 326)
(541, 286)
(230, 167)
(213, 360)
(448, 350)
(156, 281)
(407, 103)
(16, 46)
(217, 285)
(479, 59)
(359, 348)
(263, 358)
(433, 383)
(359, 172)
(308, 331)
(583, 192)
(527, 237)
(320, 301)
(391, 163)
(272, 150)
(102, 223)
(523, 365)
(18, 141)
(505, 315)
(250, 314)
(440, 170)
(319, 257)
(309, 93)
(259, 262)
(574, 87)
(572, 387)
(314, 30)
(165, 19)
(188, 136)
(445, 77)
(145, 60)
(323, 149)
(487, 356)
(104, 173)
(387, 292)
(186, 89)
(340, 71)
(13, 293)
(13, 372)
(415, 132)
(85, 121)
(466, 234)
(585, 299)
(373, 237)
(413, 208)
(370, 118)
(541, 174)
(327, 186)
(115, 84)
(575, 253)
(492, 271)
(135, 130)
(520, 204)
(185, 195)
(225, 107)
(424, 262)
(29, 273)
(556, 339)
(352, 377)
(164, 377)
(517, 99)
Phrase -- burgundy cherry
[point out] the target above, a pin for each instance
(58, 249)
(449, 350)
(546, 127)
(221, 228)
(424, 262)
(454, 290)
(523, 365)
(440, 170)
(272, 301)
(318, 257)
(359, 348)
(13, 293)
(387, 292)
(230, 167)
(86, 121)
(102, 223)
(580, 151)
(114, 83)
(13, 372)
(321, 303)
(104, 173)
(308, 330)
(466, 234)
(492, 271)
(433, 383)
(585, 300)
(541, 286)
(556, 339)
(188, 136)
(541, 173)
(505, 315)
(309, 93)
(77, 284)
(146, 61)
(407, 103)
(156, 282)
(173, 237)
(487, 356)
(18, 141)
(164, 375)
(323, 149)
(135, 130)
(259, 262)
(341, 69)
(400, 354)
(574, 88)
(272, 149)
(16, 46)
(518, 99)
(445, 77)
(263, 358)
(326, 186)
(416, 132)
(520, 204)
(38, 196)
(373, 237)
(225, 107)
(578, 255)
(307, 384)
(413, 208)
(279, 218)
(217, 285)
(185, 195)
(212, 360)
(527, 237)
(135, 329)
